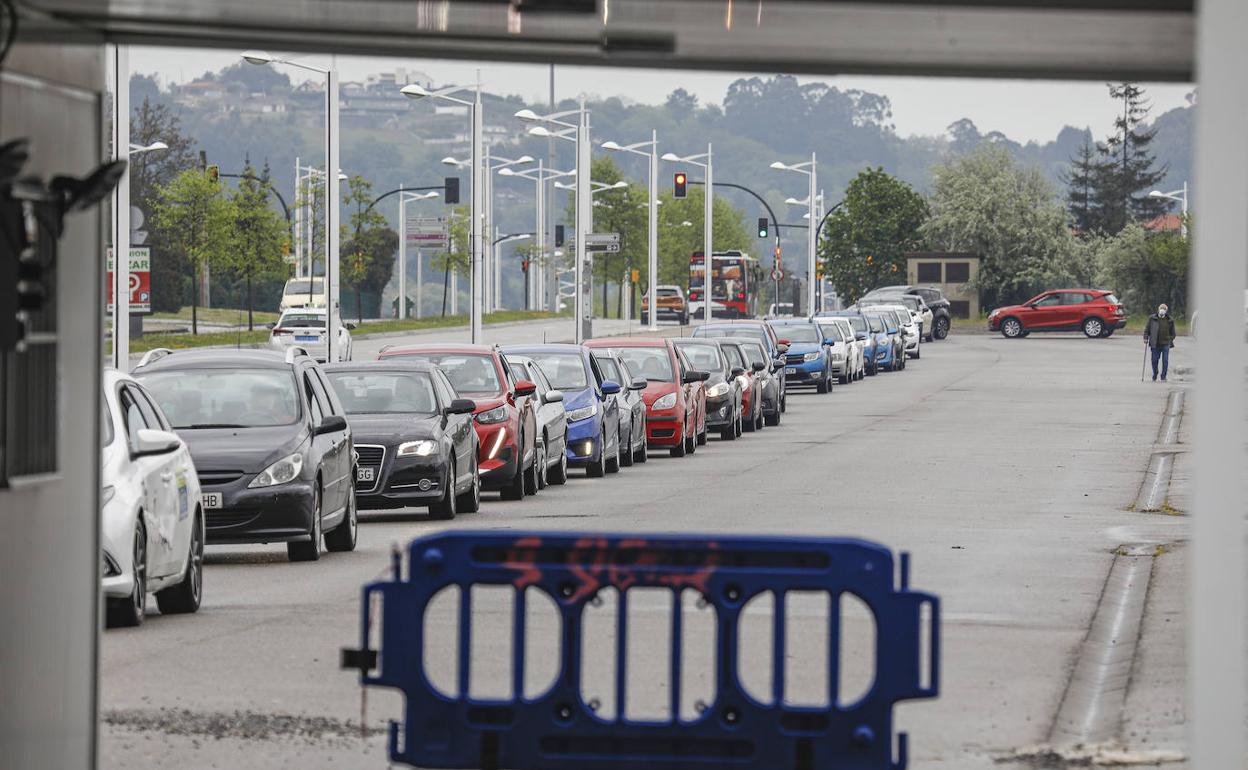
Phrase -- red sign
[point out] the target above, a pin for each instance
(140, 280)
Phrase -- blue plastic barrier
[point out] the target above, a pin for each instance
(557, 731)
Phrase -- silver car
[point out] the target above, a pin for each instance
(552, 421)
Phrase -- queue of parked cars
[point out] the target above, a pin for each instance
(204, 447)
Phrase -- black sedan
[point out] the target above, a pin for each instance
(413, 434)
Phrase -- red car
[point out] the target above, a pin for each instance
(1095, 312)
(504, 419)
(674, 395)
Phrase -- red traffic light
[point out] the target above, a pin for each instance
(681, 185)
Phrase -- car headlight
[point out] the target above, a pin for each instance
(743, 382)
(811, 357)
(715, 391)
(584, 413)
(665, 402)
(490, 416)
(107, 493)
(422, 448)
(280, 472)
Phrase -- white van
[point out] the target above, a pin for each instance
(303, 292)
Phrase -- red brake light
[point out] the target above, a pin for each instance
(280, 330)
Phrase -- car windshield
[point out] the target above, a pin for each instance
(609, 370)
(831, 331)
(315, 286)
(798, 333)
(225, 398)
(733, 354)
(302, 320)
(566, 371)
(652, 363)
(703, 357)
(744, 330)
(363, 392)
(754, 352)
(877, 325)
(468, 372)
(858, 322)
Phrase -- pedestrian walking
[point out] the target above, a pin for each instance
(1159, 335)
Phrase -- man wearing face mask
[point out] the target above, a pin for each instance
(1159, 334)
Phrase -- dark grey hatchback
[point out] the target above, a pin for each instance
(413, 436)
(271, 445)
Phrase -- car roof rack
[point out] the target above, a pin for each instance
(293, 352)
(154, 354)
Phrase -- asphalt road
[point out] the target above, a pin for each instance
(1005, 467)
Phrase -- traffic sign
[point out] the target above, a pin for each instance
(602, 248)
(140, 280)
(602, 239)
(777, 273)
(428, 232)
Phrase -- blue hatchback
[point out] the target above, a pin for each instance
(807, 361)
(883, 334)
(863, 331)
(589, 400)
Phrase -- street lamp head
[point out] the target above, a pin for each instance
(565, 186)
(524, 159)
(414, 91)
(430, 195)
(611, 146)
(342, 177)
(449, 161)
(671, 156)
(1157, 194)
(686, 223)
(528, 116)
(779, 166)
(620, 185)
(505, 171)
(794, 202)
(258, 57)
(539, 130)
(157, 145)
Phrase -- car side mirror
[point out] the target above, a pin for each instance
(829, 341)
(783, 347)
(350, 326)
(552, 397)
(639, 383)
(610, 387)
(525, 388)
(331, 424)
(690, 377)
(861, 335)
(737, 371)
(271, 325)
(704, 376)
(461, 406)
(156, 442)
(784, 342)
(758, 366)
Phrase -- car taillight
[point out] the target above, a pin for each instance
(282, 331)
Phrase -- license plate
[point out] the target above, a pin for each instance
(365, 474)
(213, 500)
(792, 370)
(307, 339)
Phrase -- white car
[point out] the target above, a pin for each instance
(152, 529)
(857, 347)
(918, 309)
(303, 292)
(305, 328)
(909, 324)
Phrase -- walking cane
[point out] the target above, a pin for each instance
(1144, 363)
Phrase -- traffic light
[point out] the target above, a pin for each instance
(681, 185)
(452, 190)
(870, 260)
(762, 227)
(558, 235)
(214, 173)
(524, 265)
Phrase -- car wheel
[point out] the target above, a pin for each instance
(942, 328)
(750, 424)
(560, 473)
(515, 489)
(772, 420)
(681, 449)
(1093, 327)
(643, 454)
(127, 611)
(701, 437)
(627, 458)
(532, 479)
(342, 538)
(1011, 328)
(309, 550)
(596, 470)
(918, 351)
(186, 596)
(691, 443)
(470, 501)
(613, 464)
(445, 509)
(738, 426)
(543, 478)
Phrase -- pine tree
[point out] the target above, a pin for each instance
(1127, 173)
(1080, 182)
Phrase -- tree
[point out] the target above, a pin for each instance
(864, 241)
(151, 122)
(196, 222)
(368, 255)
(1126, 173)
(1010, 216)
(1146, 269)
(1080, 181)
(456, 256)
(260, 234)
(620, 211)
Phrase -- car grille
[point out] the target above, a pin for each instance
(796, 359)
(371, 456)
(663, 432)
(215, 478)
(224, 519)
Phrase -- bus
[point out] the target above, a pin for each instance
(735, 278)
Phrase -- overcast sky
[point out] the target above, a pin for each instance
(1023, 110)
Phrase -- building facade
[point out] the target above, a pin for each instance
(954, 273)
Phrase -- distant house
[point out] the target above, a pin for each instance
(951, 272)
(1166, 223)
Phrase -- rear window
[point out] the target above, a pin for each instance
(301, 321)
(1111, 299)
(305, 287)
(703, 357)
(669, 293)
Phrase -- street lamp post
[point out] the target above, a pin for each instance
(811, 170)
(332, 196)
(495, 274)
(406, 197)
(706, 162)
(540, 176)
(477, 233)
(1176, 195)
(652, 156)
(584, 207)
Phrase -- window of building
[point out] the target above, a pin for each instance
(929, 272)
(960, 308)
(957, 272)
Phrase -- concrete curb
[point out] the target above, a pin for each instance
(1156, 485)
